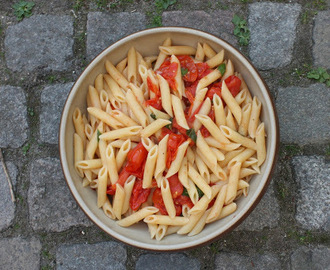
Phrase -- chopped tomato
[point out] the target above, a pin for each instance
(155, 102)
(213, 90)
(202, 70)
(174, 141)
(136, 157)
(190, 96)
(233, 83)
(139, 195)
(184, 200)
(178, 127)
(175, 186)
(168, 70)
(186, 62)
(191, 115)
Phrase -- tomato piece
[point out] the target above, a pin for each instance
(175, 186)
(111, 190)
(202, 70)
(174, 141)
(158, 201)
(155, 102)
(213, 90)
(186, 62)
(152, 87)
(182, 200)
(190, 96)
(136, 157)
(178, 127)
(233, 83)
(139, 195)
(168, 70)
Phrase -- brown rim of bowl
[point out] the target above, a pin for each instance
(271, 172)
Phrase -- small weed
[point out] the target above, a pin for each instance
(46, 254)
(101, 4)
(319, 74)
(214, 248)
(26, 148)
(221, 6)
(17, 226)
(30, 111)
(51, 78)
(317, 4)
(78, 4)
(1, 29)
(327, 151)
(162, 5)
(23, 9)
(156, 21)
(241, 31)
(283, 191)
(156, 16)
(291, 150)
(301, 237)
(46, 267)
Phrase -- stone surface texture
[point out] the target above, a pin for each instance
(13, 120)
(100, 256)
(107, 28)
(225, 261)
(265, 215)
(48, 43)
(311, 258)
(303, 114)
(272, 27)
(321, 38)
(313, 205)
(7, 207)
(51, 205)
(52, 101)
(216, 22)
(27, 254)
(165, 261)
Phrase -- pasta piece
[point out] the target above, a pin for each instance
(161, 232)
(131, 65)
(199, 56)
(166, 220)
(241, 96)
(78, 152)
(161, 159)
(150, 167)
(233, 183)
(137, 216)
(192, 191)
(118, 201)
(216, 60)
(231, 103)
(89, 164)
(219, 112)
(223, 146)
(147, 143)
(167, 197)
(162, 56)
(122, 153)
(217, 206)
(209, 52)
(116, 75)
(136, 108)
(183, 173)
(102, 187)
(200, 224)
(104, 117)
(229, 70)
(190, 155)
(261, 144)
(104, 99)
(165, 94)
(159, 114)
(177, 50)
(137, 91)
(203, 203)
(208, 79)
(79, 124)
(178, 78)
(108, 210)
(241, 157)
(121, 65)
(94, 97)
(193, 219)
(123, 118)
(202, 168)
(220, 156)
(98, 83)
(238, 138)
(115, 89)
(205, 149)
(204, 110)
(227, 210)
(199, 181)
(246, 112)
(128, 188)
(230, 121)
(120, 133)
(254, 118)
(111, 164)
(199, 98)
(154, 127)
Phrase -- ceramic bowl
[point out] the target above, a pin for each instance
(147, 42)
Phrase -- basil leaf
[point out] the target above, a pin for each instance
(192, 134)
(184, 71)
(200, 193)
(98, 133)
(185, 192)
(169, 126)
(153, 116)
(222, 68)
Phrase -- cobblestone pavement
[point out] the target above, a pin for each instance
(40, 58)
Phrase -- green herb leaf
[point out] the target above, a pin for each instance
(192, 134)
(185, 192)
(319, 74)
(184, 71)
(200, 193)
(153, 116)
(169, 126)
(222, 68)
(26, 148)
(98, 133)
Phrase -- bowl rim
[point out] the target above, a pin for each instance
(165, 248)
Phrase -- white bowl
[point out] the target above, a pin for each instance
(147, 42)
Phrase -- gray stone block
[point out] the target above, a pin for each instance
(304, 114)
(103, 29)
(273, 31)
(265, 215)
(51, 205)
(40, 42)
(321, 38)
(106, 255)
(313, 204)
(13, 121)
(7, 207)
(52, 101)
(19, 253)
(311, 258)
(217, 22)
(165, 261)
(234, 261)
